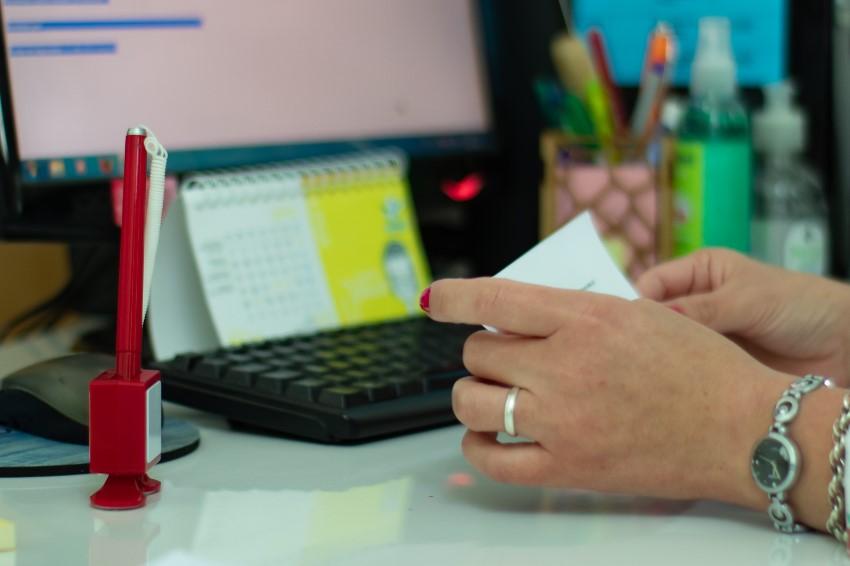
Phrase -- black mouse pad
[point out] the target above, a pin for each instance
(25, 455)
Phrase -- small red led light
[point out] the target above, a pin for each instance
(464, 190)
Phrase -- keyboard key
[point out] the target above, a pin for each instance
(239, 358)
(304, 346)
(306, 389)
(275, 381)
(324, 343)
(301, 358)
(244, 375)
(377, 390)
(211, 368)
(367, 348)
(343, 396)
(185, 362)
(357, 374)
(282, 351)
(345, 351)
(338, 379)
(315, 370)
(361, 361)
(226, 351)
(405, 386)
(350, 340)
(282, 363)
(263, 355)
(338, 365)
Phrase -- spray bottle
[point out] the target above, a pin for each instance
(790, 222)
(712, 177)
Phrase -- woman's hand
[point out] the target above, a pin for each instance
(617, 396)
(792, 322)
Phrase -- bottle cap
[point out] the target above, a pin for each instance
(713, 70)
(672, 111)
(780, 126)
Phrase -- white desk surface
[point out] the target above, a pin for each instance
(248, 499)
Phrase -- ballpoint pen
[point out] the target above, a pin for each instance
(125, 403)
(659, 61)
(128, 332)
(603, 69)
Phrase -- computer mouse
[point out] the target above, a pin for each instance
(51, 398)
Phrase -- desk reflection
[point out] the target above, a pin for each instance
(252, 500)
(124, 534)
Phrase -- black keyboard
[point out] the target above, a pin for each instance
(343, 385)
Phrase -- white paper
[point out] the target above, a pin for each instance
(573, 257)
(178, 320)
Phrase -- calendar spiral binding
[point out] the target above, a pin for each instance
(316, 176)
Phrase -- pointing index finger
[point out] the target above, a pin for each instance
(510, 306)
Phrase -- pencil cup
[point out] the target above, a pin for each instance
(617, 184)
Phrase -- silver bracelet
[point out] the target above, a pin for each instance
(836, 524)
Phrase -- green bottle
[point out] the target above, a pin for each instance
(713, 165)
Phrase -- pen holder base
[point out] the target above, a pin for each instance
(124, 492)
(125, 437)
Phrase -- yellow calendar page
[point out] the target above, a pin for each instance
(368, 241)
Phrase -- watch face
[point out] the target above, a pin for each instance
(774, 463)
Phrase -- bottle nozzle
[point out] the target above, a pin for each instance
(780, 95)
(713, 70)
(780, 127)
(714, 36)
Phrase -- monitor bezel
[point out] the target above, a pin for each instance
(73, 210)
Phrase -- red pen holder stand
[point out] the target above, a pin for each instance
(125, 424)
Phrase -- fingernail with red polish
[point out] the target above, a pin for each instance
(425, 300)
(676, 308)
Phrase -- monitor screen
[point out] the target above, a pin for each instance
(233, 83)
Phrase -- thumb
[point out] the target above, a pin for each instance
(717, 310)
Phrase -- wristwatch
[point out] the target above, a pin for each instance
(776, 459)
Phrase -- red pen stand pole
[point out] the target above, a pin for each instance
(125, 415)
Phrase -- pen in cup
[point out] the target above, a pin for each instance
(659, 62)
(578, 76)
(603, 69)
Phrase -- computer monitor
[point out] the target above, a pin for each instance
(224, 84)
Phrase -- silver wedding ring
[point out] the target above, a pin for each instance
(510, 405)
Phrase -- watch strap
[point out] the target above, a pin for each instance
(785, 411)
(782, 516)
